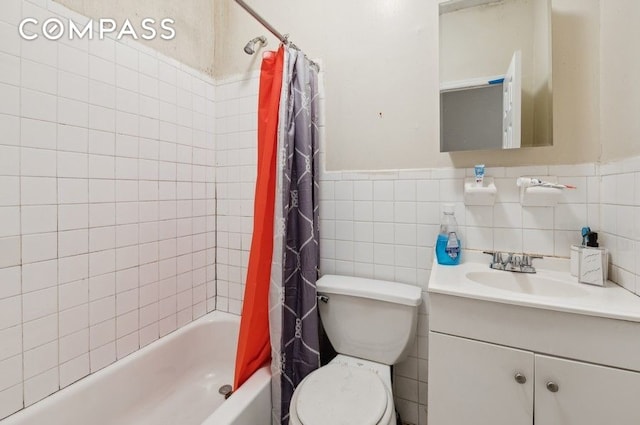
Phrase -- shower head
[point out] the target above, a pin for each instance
(250, 48)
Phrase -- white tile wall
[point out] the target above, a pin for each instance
(236, 162)
(620, 221)
(107, 203)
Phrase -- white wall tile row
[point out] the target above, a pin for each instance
(383, 225)
(236, 163)
(620, 221)
(107, 204)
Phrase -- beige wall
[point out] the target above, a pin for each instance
(194, 40)
(480, 41)
(381, 63)
(620, 86)
(380, 72)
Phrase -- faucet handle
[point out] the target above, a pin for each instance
(527, 260)
(497, 256)
(509, 259)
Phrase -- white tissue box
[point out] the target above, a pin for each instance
(593, 266)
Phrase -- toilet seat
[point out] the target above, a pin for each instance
(341, 394)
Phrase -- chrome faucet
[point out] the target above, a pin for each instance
(511, 262)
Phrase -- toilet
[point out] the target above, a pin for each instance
(371, 324)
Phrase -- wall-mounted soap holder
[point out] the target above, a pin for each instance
(476, 194)
(534, 195)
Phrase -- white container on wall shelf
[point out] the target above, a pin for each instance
(475, 194)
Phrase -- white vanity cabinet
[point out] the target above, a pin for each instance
(478, 383)
(517, 348)
(474, 382)
(586, 394)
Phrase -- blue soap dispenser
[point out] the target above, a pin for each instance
(448, 244)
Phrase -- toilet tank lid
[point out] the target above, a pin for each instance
(381, 290)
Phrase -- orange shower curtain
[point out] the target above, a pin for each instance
(254, 348)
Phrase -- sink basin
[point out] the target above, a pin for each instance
(551, 289)
(530, 284)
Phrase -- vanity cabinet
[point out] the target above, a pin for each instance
(479, 383)
(473, 382)
(587, 394)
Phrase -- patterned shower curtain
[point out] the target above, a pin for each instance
(293, 304)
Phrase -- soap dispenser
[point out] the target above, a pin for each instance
(448, 244)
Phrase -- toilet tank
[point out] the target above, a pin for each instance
(369, 319)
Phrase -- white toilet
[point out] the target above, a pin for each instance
(372, 325)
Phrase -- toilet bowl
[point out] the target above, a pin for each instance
(345, 391)
(371, 324)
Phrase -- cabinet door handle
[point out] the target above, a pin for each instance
(520, 378)
(552, 386)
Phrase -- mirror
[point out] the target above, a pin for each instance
(495, 74)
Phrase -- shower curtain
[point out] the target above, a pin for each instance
(294, 337)
(292, 302)
(254, 348)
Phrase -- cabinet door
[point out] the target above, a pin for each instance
(586, 394)
(474, 383)
(512, 104)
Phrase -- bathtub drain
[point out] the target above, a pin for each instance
(226, 391)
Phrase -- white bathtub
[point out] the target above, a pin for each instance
(173, 381)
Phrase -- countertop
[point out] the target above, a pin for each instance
(610, 301)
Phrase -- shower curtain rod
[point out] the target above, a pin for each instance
(260, 19)
(283, 38)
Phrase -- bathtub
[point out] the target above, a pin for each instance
(173, 381)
